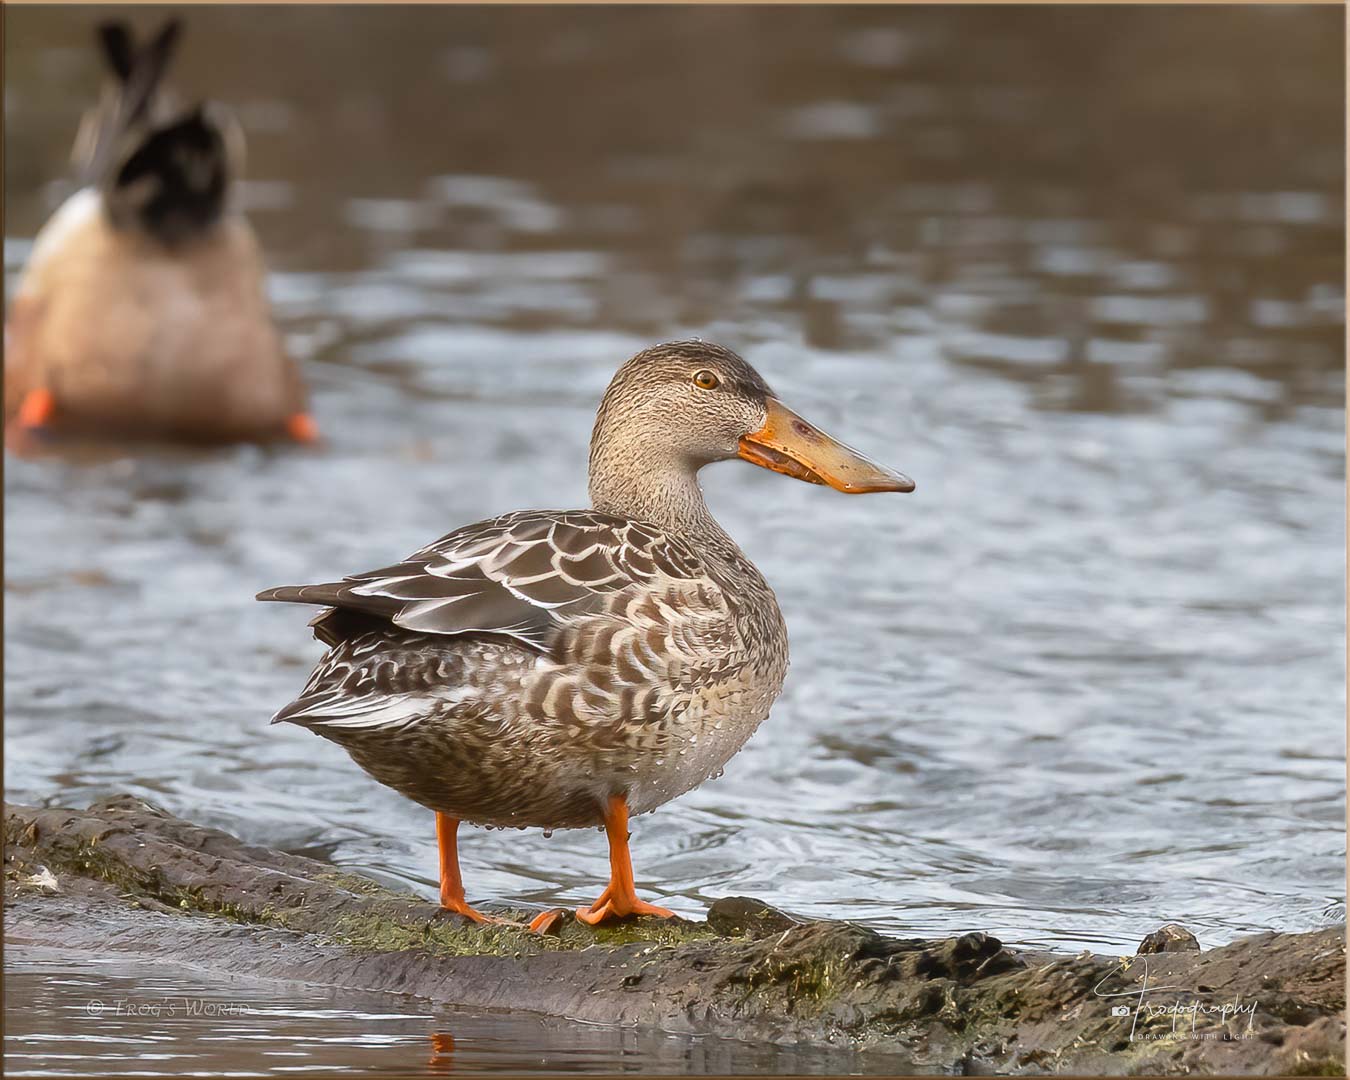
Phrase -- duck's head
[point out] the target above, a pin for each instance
(676, 407)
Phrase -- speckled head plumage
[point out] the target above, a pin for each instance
(676, 407)
(689, 400)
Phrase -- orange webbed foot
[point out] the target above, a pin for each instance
(608, 910)
(36, 409)
(461, 908)
(302, 428)
(35, 412)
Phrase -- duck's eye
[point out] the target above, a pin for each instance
(707, 380)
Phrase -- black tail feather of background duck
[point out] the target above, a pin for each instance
(161, 167)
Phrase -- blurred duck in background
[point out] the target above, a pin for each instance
(142, 310)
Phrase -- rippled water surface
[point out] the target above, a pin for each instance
(1079, 271)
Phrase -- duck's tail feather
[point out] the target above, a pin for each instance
(174, 183)
(303, 594)
(334, 624)
(118, 48)
(160, 168)
(139, 71)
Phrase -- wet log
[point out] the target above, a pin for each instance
(124, 876)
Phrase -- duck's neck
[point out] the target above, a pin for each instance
(666, 493)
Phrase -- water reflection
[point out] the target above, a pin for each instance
(91, 1017)
(442, 1052)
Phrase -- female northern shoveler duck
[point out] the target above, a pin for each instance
(565, 668)
(142, 308)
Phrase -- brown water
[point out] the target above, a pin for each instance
(1079, 271)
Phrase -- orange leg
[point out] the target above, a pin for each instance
(452, 888)
(302, 428)
(619, 900)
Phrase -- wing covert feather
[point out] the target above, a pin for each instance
(523, 575)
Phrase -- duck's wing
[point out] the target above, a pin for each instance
(522, 575)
